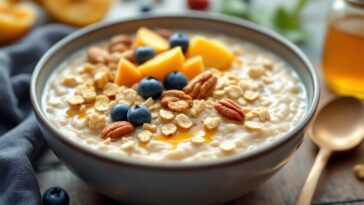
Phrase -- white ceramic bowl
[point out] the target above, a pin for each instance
(210, 182)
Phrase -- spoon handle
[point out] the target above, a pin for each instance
(309, 188)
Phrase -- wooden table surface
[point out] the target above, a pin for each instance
(338, 184)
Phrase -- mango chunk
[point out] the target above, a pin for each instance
(146, 37)
(214, 54)
(164, 63)
(127, 73)
(192, 67)
(15, 20)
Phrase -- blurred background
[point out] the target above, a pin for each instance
(303, 22)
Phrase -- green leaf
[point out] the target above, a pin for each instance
(283, 19)
(236, 8)
(300, 4)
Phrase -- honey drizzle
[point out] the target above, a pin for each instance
(185, 136)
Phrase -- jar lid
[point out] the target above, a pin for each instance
(359, 3)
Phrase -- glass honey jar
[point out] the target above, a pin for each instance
(343, 54)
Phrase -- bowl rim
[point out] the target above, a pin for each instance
(177, 166)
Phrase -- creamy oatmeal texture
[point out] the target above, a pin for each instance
(256, 100)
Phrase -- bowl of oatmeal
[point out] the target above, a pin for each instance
(182, 109)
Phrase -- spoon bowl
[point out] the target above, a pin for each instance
(339, 126)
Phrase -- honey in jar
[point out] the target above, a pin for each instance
(343, 55)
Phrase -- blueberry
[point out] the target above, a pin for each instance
(150, 87)
(138, 115)
(144, 53)
(179, 39)
(175, 81)
(55, 196)
(118, 112)
(145, 8)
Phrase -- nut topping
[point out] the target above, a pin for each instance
(176, 100)
(201, 86)
(97, 55)
(118, 42)
(117, 130)
(230, 110)
(165, 33)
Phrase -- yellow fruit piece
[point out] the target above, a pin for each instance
(77, 12)
(214, 54)
(159, 66)
(127, 73)
(15, 20)
(192, 67)
(146, 37)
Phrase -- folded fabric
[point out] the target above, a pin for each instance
(20, 137)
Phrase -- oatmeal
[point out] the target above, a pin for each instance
(182, 96)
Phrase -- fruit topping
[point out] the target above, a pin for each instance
(146, 37)
(162, 64)
(192, 67)
(150, 87)
(144, 53)
(138, 115)
(179, 39)
(119, 112)
(213, 53)
(175, 81)
(127, 73)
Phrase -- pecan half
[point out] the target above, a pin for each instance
(201, 86)
(120, 43)
(97, 55)
(176, 100)
(230, 110)
(129, 55)
(165, 33)
(117, 130)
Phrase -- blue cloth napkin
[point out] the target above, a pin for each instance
(20, 137)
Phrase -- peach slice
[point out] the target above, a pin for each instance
(146, 37)
(164, 63)
(214, 53)
(127, 73)
(77, 12)
(192, 67)
(15, 20)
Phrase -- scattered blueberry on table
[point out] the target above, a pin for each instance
(145, 8)
(55, 196)
(179, 39)
(175, 81)
(119, 112)
(138, 115)
(150, 87)
(144, 53)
